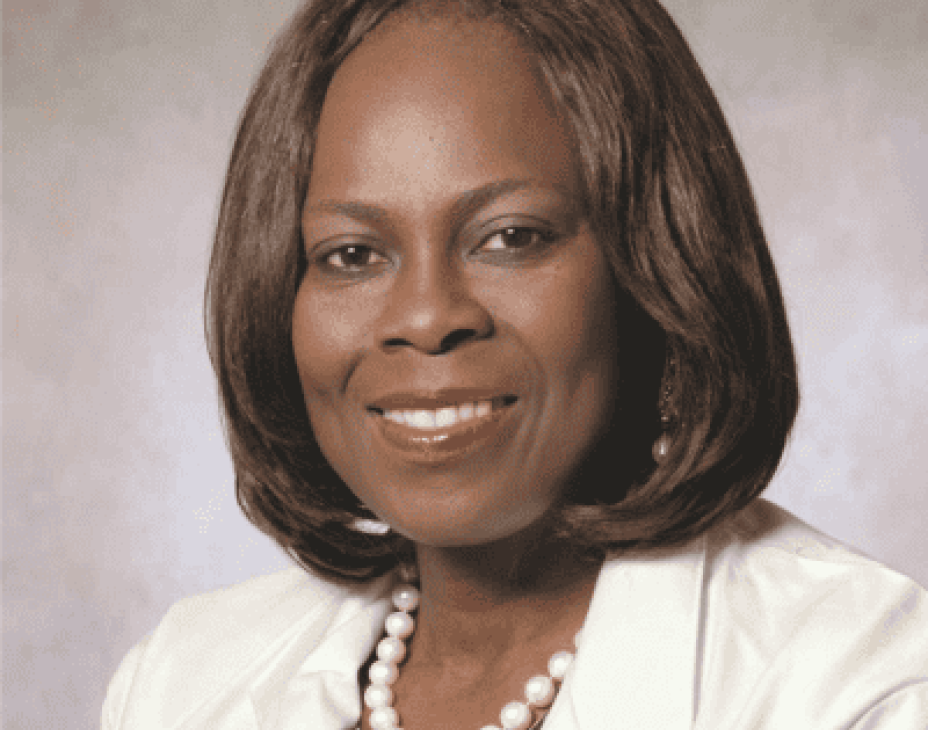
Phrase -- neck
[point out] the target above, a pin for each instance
(481, 602)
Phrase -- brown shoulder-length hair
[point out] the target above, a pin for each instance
(671, 206)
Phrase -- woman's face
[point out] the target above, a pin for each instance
(455, 329)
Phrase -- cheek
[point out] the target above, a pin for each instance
(324, 338)
(567, 321)
(569, 326)
(324, 346)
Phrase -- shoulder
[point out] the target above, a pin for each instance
(800, 617)
(207, 642)
(244, 619)
(766, 551)
(260, 606)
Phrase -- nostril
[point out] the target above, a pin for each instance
(435, 332)
(456, 338)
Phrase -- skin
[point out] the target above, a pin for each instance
(413, 284)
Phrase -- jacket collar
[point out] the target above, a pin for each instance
(636, 665)
(322, 692)
(640, 652)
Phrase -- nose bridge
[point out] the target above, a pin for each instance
(432, 306)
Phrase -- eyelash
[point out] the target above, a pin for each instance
(545, 237)
(326, 259)
(540, 239)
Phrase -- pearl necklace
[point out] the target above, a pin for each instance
(540, 690)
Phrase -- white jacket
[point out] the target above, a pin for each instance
(762, 624)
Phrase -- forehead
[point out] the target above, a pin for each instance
(440, 96)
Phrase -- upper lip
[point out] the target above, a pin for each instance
(432, 400)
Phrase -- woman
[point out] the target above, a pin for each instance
(500, 343)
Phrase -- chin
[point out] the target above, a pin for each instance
(455, 533)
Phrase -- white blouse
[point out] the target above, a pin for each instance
(761, 624)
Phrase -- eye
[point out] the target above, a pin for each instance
(516, 238)
(352, 258)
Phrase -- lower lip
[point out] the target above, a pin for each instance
(441, 445)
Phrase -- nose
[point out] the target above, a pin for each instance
(433, 308)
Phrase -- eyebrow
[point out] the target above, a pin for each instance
(464, 206)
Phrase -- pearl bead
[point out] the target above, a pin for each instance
(406, 598)
(378, 695)
(400, 625)
(559, 664)
(383, 673)
(661, 447)
(516, 716)
(391, 649)
(539, 691)
(384, 718)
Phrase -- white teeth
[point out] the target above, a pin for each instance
(446, 417)
(421, 419)
(442, 417)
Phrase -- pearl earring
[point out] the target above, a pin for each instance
(662, 445)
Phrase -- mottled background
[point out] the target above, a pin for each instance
(118, 118)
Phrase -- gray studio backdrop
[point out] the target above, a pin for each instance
(118, 118)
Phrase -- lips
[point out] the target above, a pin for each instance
(434, 400)
(438, 427)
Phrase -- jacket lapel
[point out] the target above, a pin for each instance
(317, 678)
(640, 646)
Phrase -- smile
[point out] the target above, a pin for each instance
(439, 418)
(434, 436)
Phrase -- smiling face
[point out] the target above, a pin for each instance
(455, 328)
